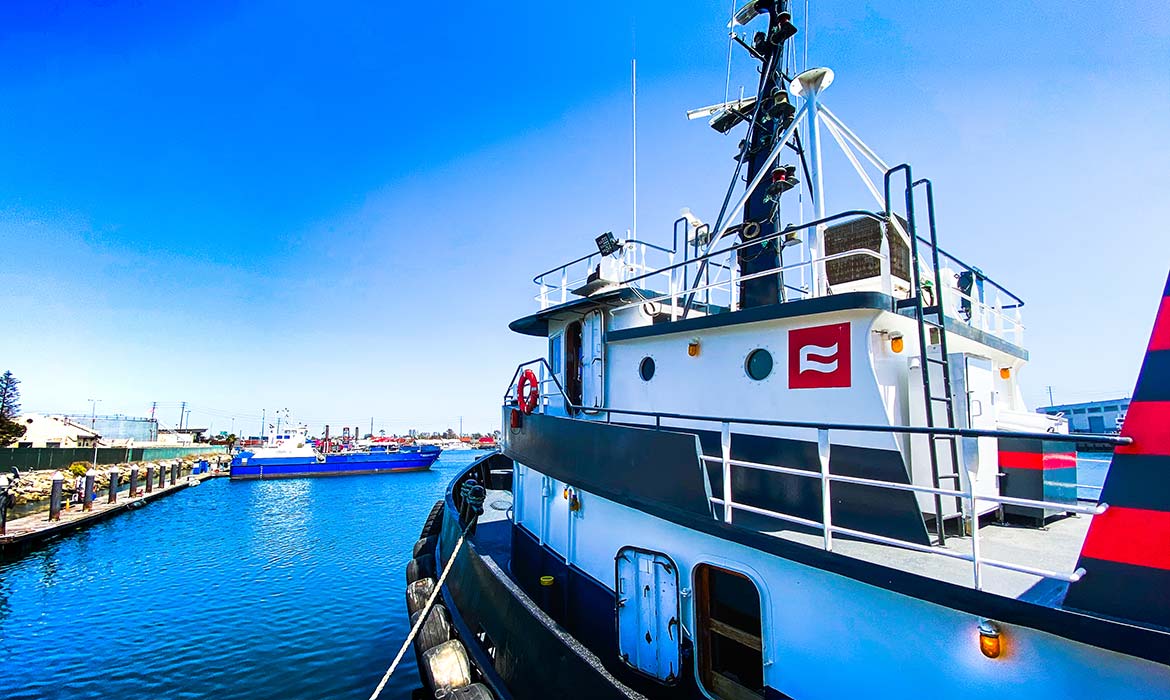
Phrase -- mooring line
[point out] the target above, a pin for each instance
(426, 613)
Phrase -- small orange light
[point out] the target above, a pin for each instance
(897, 344)
(1005, 372)
(693, 348)
(990, 640)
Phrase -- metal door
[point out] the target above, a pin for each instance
(647, 613)
(593, 359)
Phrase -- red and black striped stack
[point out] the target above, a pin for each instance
(1127, 552)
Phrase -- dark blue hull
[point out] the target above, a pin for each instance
(333, 465)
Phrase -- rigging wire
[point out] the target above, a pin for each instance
(730, 46)
(807, 25)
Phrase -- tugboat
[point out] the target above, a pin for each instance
(289, 453)
(786, 459)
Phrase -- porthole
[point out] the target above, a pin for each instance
(758, 364)
(646, 369)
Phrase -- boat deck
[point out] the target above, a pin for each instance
(1054, 547)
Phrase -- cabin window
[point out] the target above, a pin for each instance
(646, 369)
(730, 645)
(554, 353)
(1094, 409)
(758, 364)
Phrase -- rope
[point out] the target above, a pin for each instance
(477, 506)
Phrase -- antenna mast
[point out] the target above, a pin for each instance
(634, 130)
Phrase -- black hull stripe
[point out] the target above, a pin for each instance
(1142, 642)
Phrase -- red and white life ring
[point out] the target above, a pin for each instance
(527, 391)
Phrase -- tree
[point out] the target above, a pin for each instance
(10, 429)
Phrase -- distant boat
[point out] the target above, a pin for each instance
(291, 454)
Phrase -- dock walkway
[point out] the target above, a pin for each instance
(31, 531)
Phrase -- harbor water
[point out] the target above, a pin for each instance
(275, 589)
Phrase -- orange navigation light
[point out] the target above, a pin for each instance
(1005, 372)
(693, 347)
(896, 342)
(990, 639)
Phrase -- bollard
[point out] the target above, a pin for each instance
(113, 485)
(174, 472)
(162, 475)
(133, 481)
(55, 496)
(149, 478)
(88, 496)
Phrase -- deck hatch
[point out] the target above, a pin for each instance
(647, 613)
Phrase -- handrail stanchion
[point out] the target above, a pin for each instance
(826, 496)
(884, 263)
(733, 263)
(564, 284)
(974, 529)
(725, 443)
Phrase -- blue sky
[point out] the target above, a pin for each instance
(337, 207)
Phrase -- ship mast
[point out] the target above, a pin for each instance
(772, 115)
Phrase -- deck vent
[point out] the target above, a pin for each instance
(864, 232)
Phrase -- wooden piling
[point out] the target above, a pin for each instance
(55, 496)
(114, 475)
(149, 478)
(87, 498)
(134, 481)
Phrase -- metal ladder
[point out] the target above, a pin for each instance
(931, 322)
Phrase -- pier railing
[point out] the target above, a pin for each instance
(824, 434)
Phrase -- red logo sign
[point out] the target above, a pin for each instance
(818, 357)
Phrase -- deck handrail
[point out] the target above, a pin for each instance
(826, 526)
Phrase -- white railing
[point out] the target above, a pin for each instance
(550, 387)
(828, 529)
(555, 285)
(709, 282)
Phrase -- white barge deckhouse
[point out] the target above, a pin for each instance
(791, 459)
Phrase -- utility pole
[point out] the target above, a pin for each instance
(92, 423)
(182, 414)
(263, 422)
(1050, 401)
(460, 427)
(153, 405)
(371, 427)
